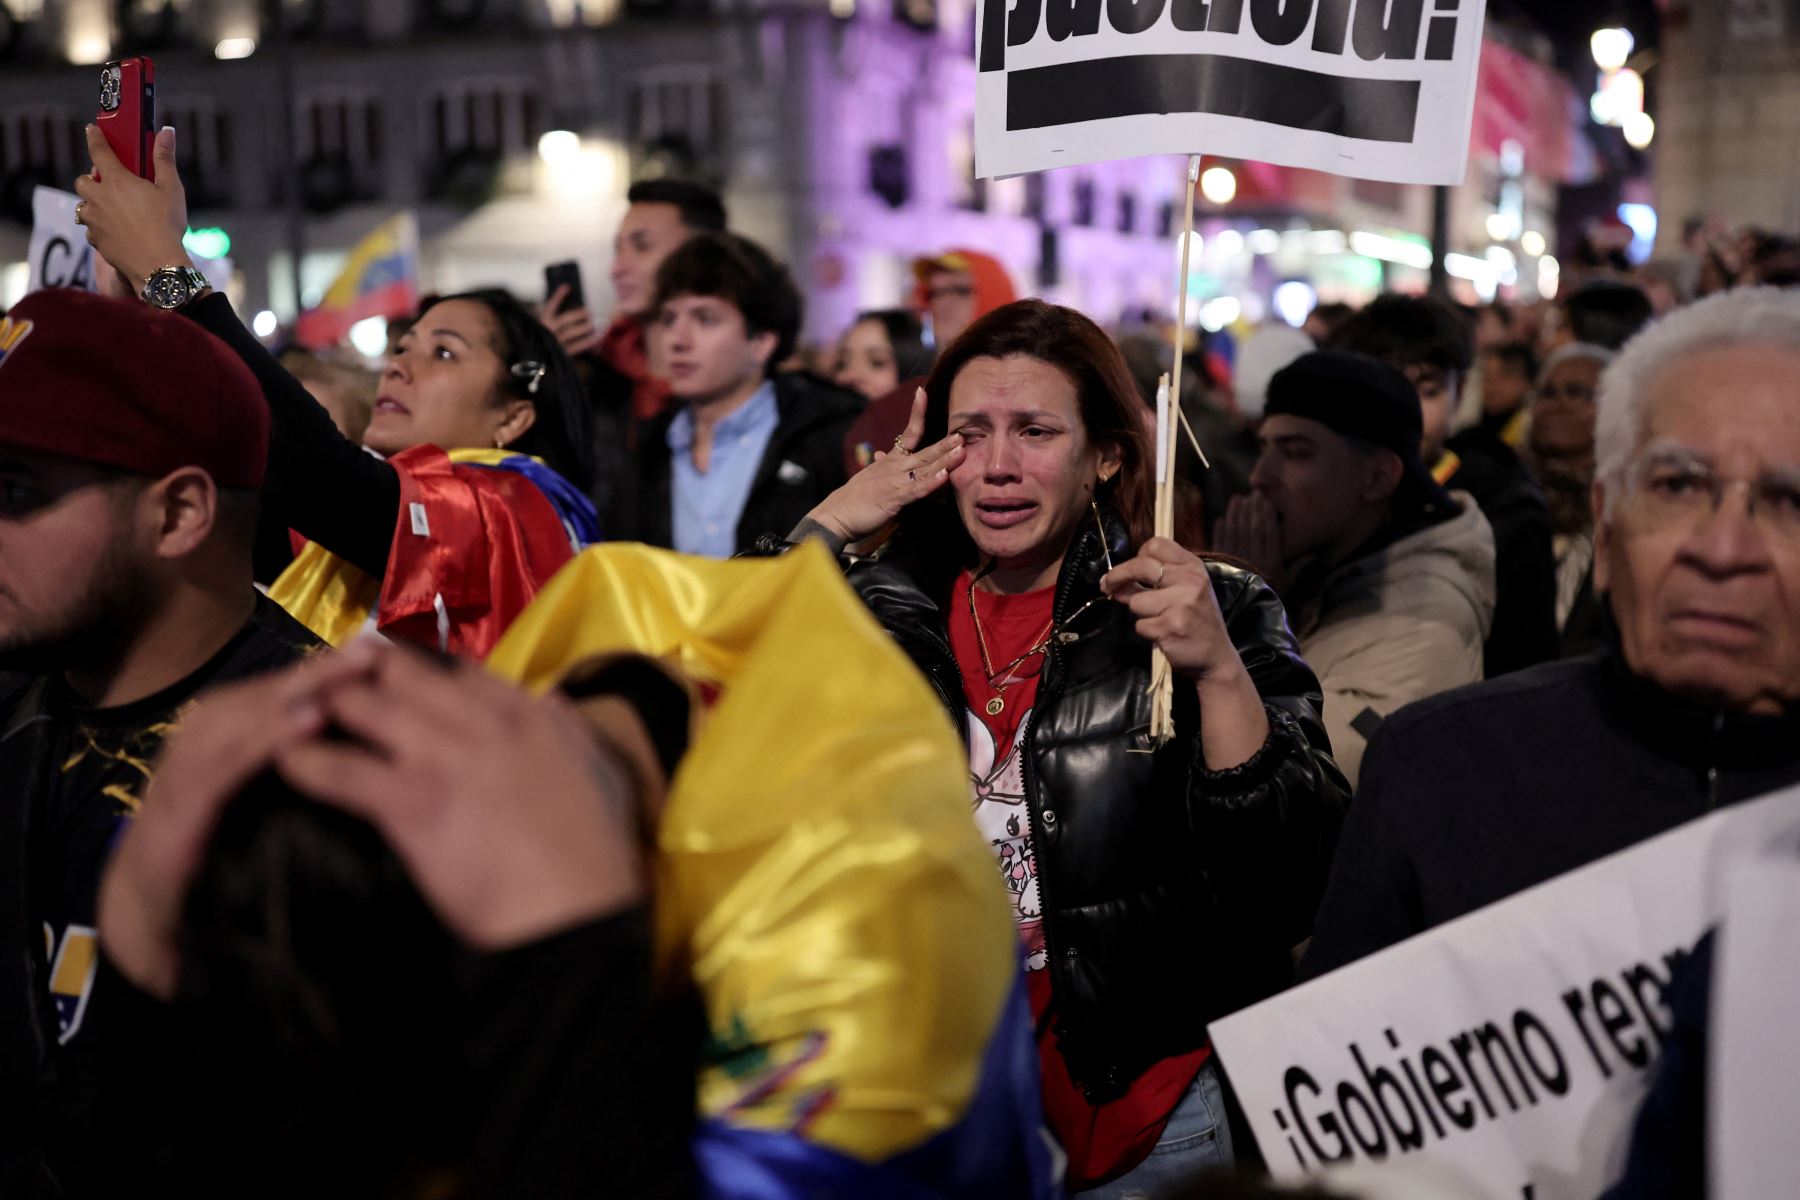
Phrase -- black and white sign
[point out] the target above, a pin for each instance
(60, 254)
(1375, 89)
(1513, 1045)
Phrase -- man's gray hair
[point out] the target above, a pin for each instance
(1575, 352)
(1764, 315)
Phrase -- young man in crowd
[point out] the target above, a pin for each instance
(953, 289)
(1473, 796)
(132, 445)
(1431, 344)
(745, 451)
(625, 387)
(1388, 579)
(662, 214)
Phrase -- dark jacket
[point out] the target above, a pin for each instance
(1524, 632)
(71, 774)
(803, 464)
(1171, 893)
(1471, 796)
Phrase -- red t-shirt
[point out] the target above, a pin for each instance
(1107, 1140)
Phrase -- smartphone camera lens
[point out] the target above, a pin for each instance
(109, 89)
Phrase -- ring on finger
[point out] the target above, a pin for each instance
(79, 219)
(913, 475)
(1161, 570)
(900, 446)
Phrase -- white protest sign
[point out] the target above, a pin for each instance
(60, 254)
(1753, 1056)
(1374, 89)
(1512, 1044)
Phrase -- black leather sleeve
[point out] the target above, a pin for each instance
(1269, 827)
(319, 481)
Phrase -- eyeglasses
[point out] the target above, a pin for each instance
(1674, 488)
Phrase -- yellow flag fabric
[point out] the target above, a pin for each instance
(817, 873)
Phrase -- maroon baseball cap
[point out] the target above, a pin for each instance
(118, 384)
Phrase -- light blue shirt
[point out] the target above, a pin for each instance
(708, 504)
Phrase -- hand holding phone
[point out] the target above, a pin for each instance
(564, 311)
(127, 114)
(564, 275)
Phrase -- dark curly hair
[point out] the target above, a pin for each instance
(737, 270)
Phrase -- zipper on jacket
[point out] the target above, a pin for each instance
(1050, 691)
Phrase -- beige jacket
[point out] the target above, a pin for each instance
(1398, 625)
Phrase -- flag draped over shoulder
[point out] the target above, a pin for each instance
(380, 279)
(479, 533)
(818, 878)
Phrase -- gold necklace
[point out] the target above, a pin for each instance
(1039, 644)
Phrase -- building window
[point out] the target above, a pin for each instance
(1034, 196)
(39, 145)
(971, 193)
(204, 133)
(149, 24)
(338, 144)
(1165, 219)
(1127, 213)
(1084, 203)
(675, 120)
(888, 175)
(473, 129)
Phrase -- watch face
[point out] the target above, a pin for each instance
(166, 289)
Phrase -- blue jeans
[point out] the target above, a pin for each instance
(1195, 1140)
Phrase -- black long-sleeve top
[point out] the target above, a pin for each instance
(319, 481)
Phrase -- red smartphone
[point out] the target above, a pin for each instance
(128, 112)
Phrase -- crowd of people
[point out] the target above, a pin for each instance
(691, 888)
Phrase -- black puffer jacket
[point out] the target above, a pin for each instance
(1171, 893)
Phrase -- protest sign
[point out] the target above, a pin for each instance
(1514, 1043)
(60, 255)
(1375, 89)
(1753, 1057)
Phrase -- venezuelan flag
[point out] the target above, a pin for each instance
(818, 883)
(381, 279)
(457, 542)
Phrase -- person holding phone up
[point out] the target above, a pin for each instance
(475, 493)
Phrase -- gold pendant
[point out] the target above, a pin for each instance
(995, 706)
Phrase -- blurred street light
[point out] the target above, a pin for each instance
(1218, 185)
(1620, 94)
(369, 336)
(1612, 48)
(236, 47)
(1640, 130)
(559, 147)
(1532, 243)
(265, 324)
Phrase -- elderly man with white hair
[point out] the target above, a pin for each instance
(1478, 793)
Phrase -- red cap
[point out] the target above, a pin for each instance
(121, 385)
